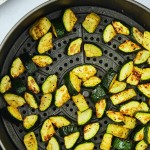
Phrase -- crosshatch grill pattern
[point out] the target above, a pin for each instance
(62, 64)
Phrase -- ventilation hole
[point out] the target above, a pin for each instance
(33, 110)
(17, 124)
(55, 59)
(101, 136)
(59, 44)
(114, 46)
(20, 130)
(105, 122)
(91, 38)
(105, 20)
(40, 96)
(106, 65)
(34, 53)
(140, 95)
(87, 102)
(109, 43)
(75, 113)
(65, 42)
(60, 68)
(65, 64)
(128, 57)
(110, 54)
(67, 105)
(120, 63)
(28, 45)
(36, 134)
(140, 100)
(86, 38)
(71, 61)
(71, 109)
(23, 78)
(45, 114)
(47, 68)
(56, 73)
(74, 104)
(94, 113)
(100, 30)
(94, 59)
(54, 48)
(62, 143)
(77, 59)
(24, 50)
(24, 112)
(95, 147)
(59, 55)
(119, 38)
(100, 61)
(97, 39)
(115, 58)
(49, 52)
(42, 79)
(105, 52)
(88, 58)
(95, 138)
(70, 40)
(100, 76)
(74, 30)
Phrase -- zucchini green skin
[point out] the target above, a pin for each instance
(28, 63)
(18, 86)
(98, 93)
(146, 40)
(147, 134)
(121, 144)
(109, 79)
(53, 143)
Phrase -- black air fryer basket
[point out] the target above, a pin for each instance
(18, 41)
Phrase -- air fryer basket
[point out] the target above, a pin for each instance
(62, 63)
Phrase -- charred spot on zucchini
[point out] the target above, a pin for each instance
(71, 139)
(45, 102)
(32, 85)
(144, 89)
(129, 47)
(73, 83)
(141, 145)
(145, 74)
(98, 93)
(141, 57)
(146, 40)
(30, 121)
(109, 33)
(126, 70)
(5, 84)
(100, 107)
(14, 100)
(59, 121)
(42, 60)
(61, 96)
(30, 99)
(50, 84)
(47, 130)
(80, 102)
(45, 43)
(30, 141)
(91, 22)
(90, 130)
(137, 35)
(53, 144)
(143, 117)
(74, 47)
(85, 146)
(92, 50)
(84, 116)
(69, 19)
(120, 28)
(17, 68)
(40, 28)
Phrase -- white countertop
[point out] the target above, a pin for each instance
(13, 10)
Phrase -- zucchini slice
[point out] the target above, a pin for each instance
(144, 106)
(123, 96)
(146, 40)
(115, 116)
(71, 139)
(73, 83)
(92, 82)
(109, 33)
(39, 28)
(143, 117)
(145, 89)
(135, 76)
(17, 68)
(147, 134)
(84, 116)
(30, 141)
(14, 100)
(45, 43)
(91, 22)
(28, 63)
(30, 121)
(32, 85)
(98, 93)
(118, 131)
(129, 122)
(141, 57)
(5, 84)
(50, 84)
(100, 107)
(106, 142)
(117, 87)
(126, 70)
(59, 121)
(61, 96)
(130, 108)
(18, 86)
(74, 47)
(129, 47)
(53, 144)
(139, 135)
(42, 60)
(120, 28)
(84, 72)
(85, 146)
(109, 79)
(145, 74)
(148, 60)
(47, 130)
(141, 145)
(92, 50)
(90, 130)
(69, 19)
(46, 101)
(80, 102)
(12, 113)
(30, 99)
(121, 144)
(137, 35)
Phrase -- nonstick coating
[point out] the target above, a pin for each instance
(21, 42)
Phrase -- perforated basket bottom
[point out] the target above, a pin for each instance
(62, 63)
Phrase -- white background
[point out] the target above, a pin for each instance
(13, 10)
